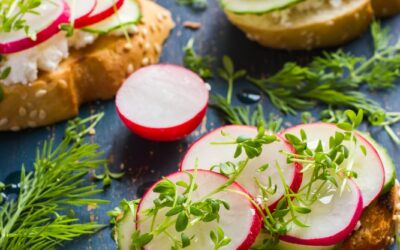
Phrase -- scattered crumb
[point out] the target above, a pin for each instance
(92, 131)
(203, 128)
(180, 148)
(192, 25)
(121, 166)
(152, 171)
(92, 218)
(91, 207)
(151, 152)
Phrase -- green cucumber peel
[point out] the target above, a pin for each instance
(257, 6)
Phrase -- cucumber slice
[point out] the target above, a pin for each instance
(388, 163)
(127, 16)
(125, 225)
(257, 6)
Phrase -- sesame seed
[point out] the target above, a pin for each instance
(147, 46)
(157, 48)
(63, 84)
(92, 131)
(159, 17)
(145, 32)
(164, 15)
(141, 42)
(40, 93)
(15, 128)
(130, 68)
(127, 46)
(33, 114)
(152, 28)
(145, 61)
(3, 121)
(22, 111)
(31, 124)
(42, 114)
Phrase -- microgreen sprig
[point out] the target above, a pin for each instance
(199, 64)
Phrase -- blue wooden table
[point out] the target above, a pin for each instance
(145, 161)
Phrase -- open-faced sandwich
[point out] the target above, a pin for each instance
(312, 187)
(305, 24)
(56, 55)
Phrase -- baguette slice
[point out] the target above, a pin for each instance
(385, 8)
(93, 73)
(378, 224)
(323, 27)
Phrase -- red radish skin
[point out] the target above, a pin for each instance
(84, 13)
(99, 15)
(366, 143)
(186, 162)
(338, 237)
(254, 229)
(169, 132)
(41, 36)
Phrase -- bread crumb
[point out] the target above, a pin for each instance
(3, 121)
(92, 131)
(91, 207)
(192, 25)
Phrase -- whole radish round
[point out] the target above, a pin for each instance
(45, 23)
(241, 222)
(162, 102)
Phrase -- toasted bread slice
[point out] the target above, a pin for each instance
(378, 224)
(325, 26)
(385, 8)
(92, 73)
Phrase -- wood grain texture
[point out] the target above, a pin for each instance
(144, 161)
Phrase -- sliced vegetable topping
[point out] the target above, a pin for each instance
(257, 6)
(190, 210)
(80, 10)
(127, 15)
(103, 10)
(44, 22)
(260, 177)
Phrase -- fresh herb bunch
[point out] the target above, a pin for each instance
(199, 64)
(12, 14)
(335, 79)
(38, 218)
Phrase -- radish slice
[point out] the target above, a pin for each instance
(333, 217)
(128, 15)
(369, 168)
(162, 102)
(241, 222)
(80, 10)
(103, 10)
(45, 23)
(209, 155)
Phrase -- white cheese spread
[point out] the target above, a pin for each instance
(25, 65)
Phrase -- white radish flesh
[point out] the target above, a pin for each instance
(333, 217)
(44, 23)
(241, 222)
(209, 155)
(369, 167)
(162, 102)
(103, 10)
(80, 9)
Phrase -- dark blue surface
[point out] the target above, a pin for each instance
(145, 161)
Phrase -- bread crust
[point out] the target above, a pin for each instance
(385, 8)
(378, 224)
(306, 35)
(93, 73)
